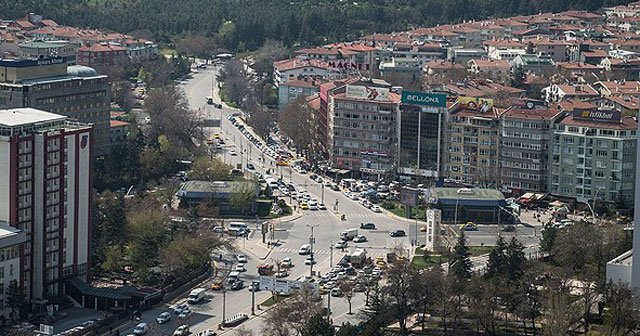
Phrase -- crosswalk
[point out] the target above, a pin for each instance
(371, 252)
(310, 213)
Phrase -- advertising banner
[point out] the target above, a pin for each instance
(598, 116)
(482, 105)
(424, 98)
(367, 93)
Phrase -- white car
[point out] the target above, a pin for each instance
(240, 267)
(208, 332)
(233, 153)
(310, 260)
(313, 206)
(376, 208)
(360, 239)
(286, 262)
(163, 317)
(182, 330)
(321, 206)
(180, 308)
(341, 245)
(241, 259)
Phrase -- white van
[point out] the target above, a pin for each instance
(141, 329)
(233, 277)
(304, 249)
(237, 228)
(272, 183)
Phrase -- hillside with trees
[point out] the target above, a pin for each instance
(241, 25)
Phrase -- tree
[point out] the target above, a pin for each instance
(622, 317)
(242, 331)
(261, 119)
(424, 290)
(291, 314)
(460, 263)
(483, 304)
(518, 78)
(197, 46)
(114, 259)
(347, 291)
(549, 234)
(191, 251)
(146, 234)
(16, 299)
(515, 260)
(271, 51)
(398, 290)
(347, 329)
(296, 121)
(318, 326)
(497, 263)
(170, 116)
(210, 169)
(559, 312)
(242, 199)
(109, 222)
(235, 88)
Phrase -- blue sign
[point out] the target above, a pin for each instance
(424, 98)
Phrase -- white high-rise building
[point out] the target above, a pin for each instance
(45, 191)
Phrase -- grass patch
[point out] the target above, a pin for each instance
(402, 212)
(271, 301)
(480, 250)
(420, 262)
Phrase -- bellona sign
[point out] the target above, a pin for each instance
(424, 98)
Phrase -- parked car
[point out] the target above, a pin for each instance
(341, 245)
(241, 258)
(469, 226)
(376, 208)
(180, 308)
(237, 285)
(141, 329)
(321, 206)
(310, 260)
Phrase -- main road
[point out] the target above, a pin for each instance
(326, 226)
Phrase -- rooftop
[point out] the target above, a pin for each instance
(467, 194)
(27, 115)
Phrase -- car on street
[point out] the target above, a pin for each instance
(397, 233)
(286, 262)
(313, 206)
(310, 260)
(141, 329)
(217, 285)
(218, 229)
(304, 206)
(468, 226)
(336, 292)
(341, 245)
(250, 166)
(241, 258)
(237, 285)
(240, 267)
(367, 226)
(233, 152)
(180, 308)
(282, 274)
(321, 206)
(163, 317)
(184, 314)
(376, 208)
(207, 332)
(359, 239)
(509, 228)
(182, 330)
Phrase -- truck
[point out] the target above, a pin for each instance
(348, 234)
(197, 295)
(358, 257)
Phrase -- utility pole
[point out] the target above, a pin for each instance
(311, 241)
(331, 255)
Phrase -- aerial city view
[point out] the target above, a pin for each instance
(319, 167)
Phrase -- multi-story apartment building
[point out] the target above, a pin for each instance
(45, 191)
(472, 145)
(49, 84)
(524, 148)
(11, 245)
(362, 128)
(593, 156)
(420, 135)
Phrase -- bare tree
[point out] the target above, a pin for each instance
(347, 291)
(264, 57)
(425, 289)
(236, 83)
(398, 289)
(296, 121)
(242, 331)
(291, 315)
(170, 116)
(559, 312)
(622, 317)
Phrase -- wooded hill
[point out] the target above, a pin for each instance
(296, 22)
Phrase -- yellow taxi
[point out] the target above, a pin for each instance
(423, 229)
(380, 261)
(216, 136)
(216, 285)
(304, 206)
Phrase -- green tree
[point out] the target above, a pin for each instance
(242, 199)
(518, 78)
(460, 263)
(114, 259)
(16, 299)
(347, 329)
(497, 263)
(109, 222)
(146, 234)
(515, 260)
(317, 326)
(549, 234)
(210, 169)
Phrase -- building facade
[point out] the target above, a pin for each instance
(472, 145)
(362, 128)
(45, 191)
(524, 147)
(11, 245)
(76, 91)
(593, 156)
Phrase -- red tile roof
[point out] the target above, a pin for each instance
(118, 123)
(626, 123)
(102, 47)
(571, 105)
(313, 102)
(536, 114)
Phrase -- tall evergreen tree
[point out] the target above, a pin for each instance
(460, 262)
(496, 265)
(515, 259)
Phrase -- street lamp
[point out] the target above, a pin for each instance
(595, 196)
(311, 241)
(331, 254)
(322, 197)
(224, 306)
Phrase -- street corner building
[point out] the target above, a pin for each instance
(478, 205)
(220, 194)
(45, 197)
